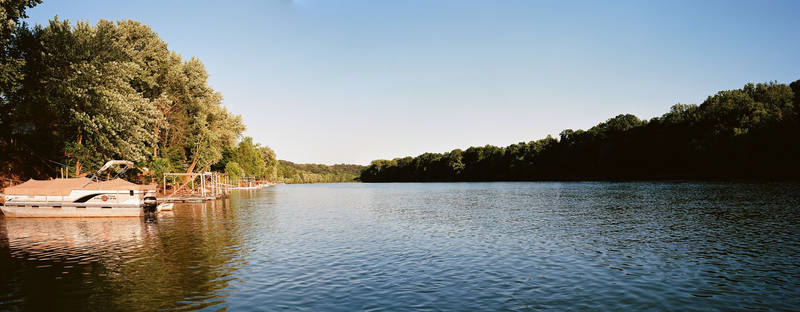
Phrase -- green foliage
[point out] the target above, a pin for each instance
(233, 170)
(795, 87)
(80, 94)
(249, 158)
(270, 163)
(11, 11)
(98, 106)
(290, 172)
(12, 61)
(158, 166)
(88, 94)
(255, 160)
(615, 126)
(745, 133)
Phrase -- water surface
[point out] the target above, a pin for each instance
(436, 246)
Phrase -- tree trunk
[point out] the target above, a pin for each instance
(78, 160)
(155, 144)
(194, 159)
(194, 163)
(191, 168)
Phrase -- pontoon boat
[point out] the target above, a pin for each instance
(80, 197)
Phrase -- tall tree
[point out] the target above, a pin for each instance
(12, 60)
(114, 90)
(270, 162)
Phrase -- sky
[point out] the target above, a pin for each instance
(344, 81)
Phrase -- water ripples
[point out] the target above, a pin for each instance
(438, 246)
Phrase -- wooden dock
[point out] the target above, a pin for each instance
(204, 186)
(179, 199)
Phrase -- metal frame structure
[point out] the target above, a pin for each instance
(211, 185)
(202, 186)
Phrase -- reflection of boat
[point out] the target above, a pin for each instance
(80, 197)
(90, 237)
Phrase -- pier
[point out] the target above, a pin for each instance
(204, 186)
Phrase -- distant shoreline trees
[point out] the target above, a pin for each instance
(753, 132)
(290, 172)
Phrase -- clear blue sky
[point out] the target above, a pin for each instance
(352, 81)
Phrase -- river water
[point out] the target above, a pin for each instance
(438, 246)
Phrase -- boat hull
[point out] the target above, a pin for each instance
(66, 212)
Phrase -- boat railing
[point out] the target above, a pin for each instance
(125, 163)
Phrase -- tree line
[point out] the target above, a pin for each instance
(290, 172)
(73, 96)
(752, 132)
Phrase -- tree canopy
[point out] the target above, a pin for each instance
(90, 93)
(750, 132)
(290, 172)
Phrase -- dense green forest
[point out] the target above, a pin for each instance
(73, 96)
(290, 172)
(751, 132)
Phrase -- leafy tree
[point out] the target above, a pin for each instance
(157, 167)
(249, 157)
(82, 82)
(270, 163)
(233, 170)
(112, 90)
(795, 86)
(12, 60)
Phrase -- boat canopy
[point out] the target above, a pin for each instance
(63, 187)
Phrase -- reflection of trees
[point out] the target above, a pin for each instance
(182, 260)
(193, 259)
(57, 263)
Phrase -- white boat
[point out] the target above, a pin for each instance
(80, 197)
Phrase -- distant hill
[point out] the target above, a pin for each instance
(290, 172)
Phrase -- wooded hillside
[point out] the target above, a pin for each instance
(752, 132)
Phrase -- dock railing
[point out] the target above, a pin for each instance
(202, 186)
(196, 186)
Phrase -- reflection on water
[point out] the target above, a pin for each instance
(181, 259)
(45, 239)
(438, 246)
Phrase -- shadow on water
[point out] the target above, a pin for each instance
(175, 260)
